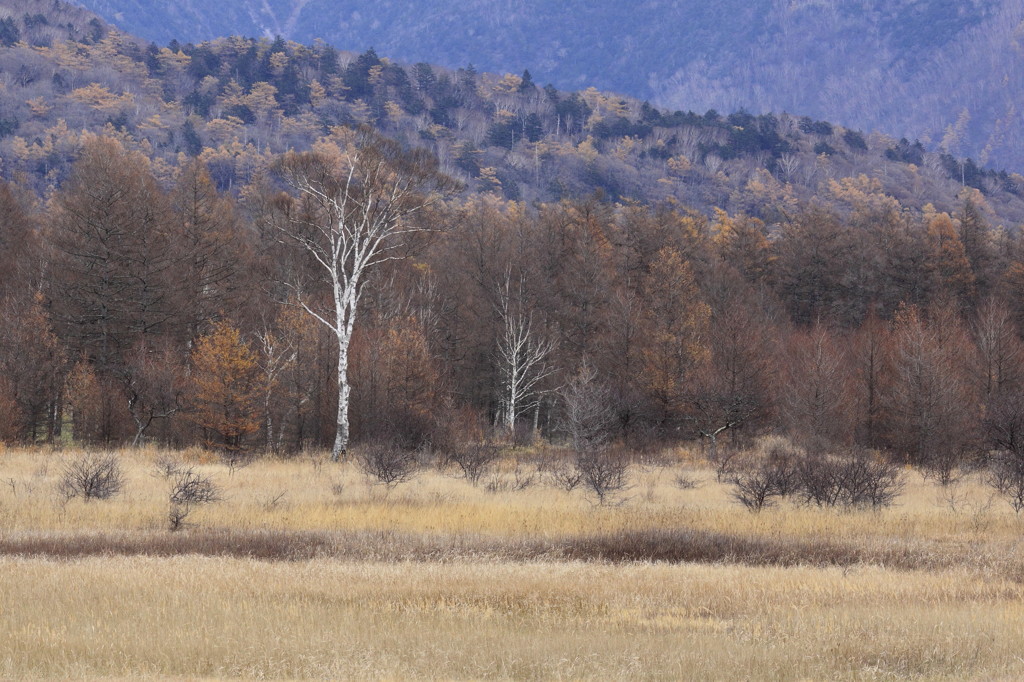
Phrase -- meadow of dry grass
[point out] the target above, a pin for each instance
(304, 569)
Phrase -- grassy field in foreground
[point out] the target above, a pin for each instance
(304, 569)
(200, 616)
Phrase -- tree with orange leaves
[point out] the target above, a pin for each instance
(947, 260)
(675, 324)
(32, 363)
(225, 386)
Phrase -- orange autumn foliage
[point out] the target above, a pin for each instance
(225, 388)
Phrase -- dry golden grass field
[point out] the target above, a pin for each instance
(304, 569)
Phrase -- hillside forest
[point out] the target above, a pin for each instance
(946, 72)
(670, 276)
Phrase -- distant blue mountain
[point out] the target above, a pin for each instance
(949, 73)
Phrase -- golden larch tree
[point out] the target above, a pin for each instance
(947, 261)
(675, 327)
(225, 386)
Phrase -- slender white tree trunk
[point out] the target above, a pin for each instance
(358, 200)
(344, 391)
(346, 299)
(511, 401)
(523, 362)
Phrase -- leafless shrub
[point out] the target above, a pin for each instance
(754, 489)
(858, 479)
(776, 476)
(1006, 476)
(564, 474)
(166, 466)
(603, 472)
(871, 481)
(820, 483)
(387, 463)
(91, 477)
(953, 497)
(190, 489)
(338, 488)
(946, 466)
(782, 465)
(193, 488)
(474, 459)
(519, 479)
(684, 481)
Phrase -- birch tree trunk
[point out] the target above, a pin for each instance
(344, 395)
(351, 208)
(522, 358)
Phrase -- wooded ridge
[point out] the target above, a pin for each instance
(948, 73)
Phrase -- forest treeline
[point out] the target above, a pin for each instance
(134, 311)
(681, 276)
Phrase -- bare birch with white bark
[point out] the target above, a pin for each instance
(353, 207)
(522, 359)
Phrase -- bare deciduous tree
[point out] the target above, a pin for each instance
(731, 392)
(153, 379)
(588, 418)
(1004, 434)
(588, 422)
(276, 354)
(1000, 352)
(353, 212)
(815, 389)
(870, 358)
(933, 409)
(522, 358)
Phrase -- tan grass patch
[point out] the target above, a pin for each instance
(306, 570)
(191, 616)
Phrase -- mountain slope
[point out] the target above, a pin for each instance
(909, 68)
(235, 102)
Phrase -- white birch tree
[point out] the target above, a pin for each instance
(522, 359)
(277, 352)
(353, 207)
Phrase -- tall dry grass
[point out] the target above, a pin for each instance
(310, 495)
(305, 569)
(194, 616)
